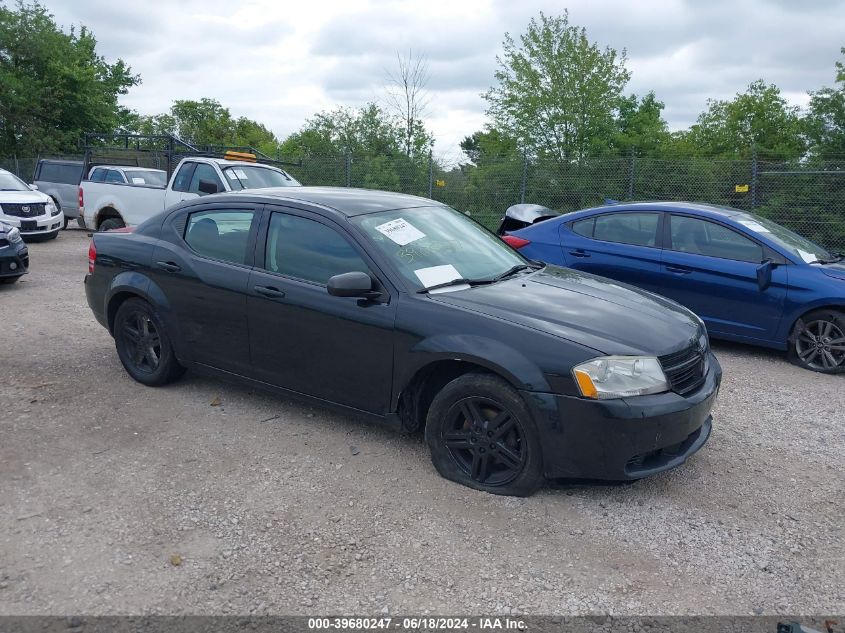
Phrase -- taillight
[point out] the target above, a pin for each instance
(81, 200)
(515, 242)
(92, 256)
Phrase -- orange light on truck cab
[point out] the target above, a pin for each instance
(242, 156)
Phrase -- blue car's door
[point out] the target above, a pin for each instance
(620, 245)
(712, 269)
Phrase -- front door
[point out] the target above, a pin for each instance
(339, 349)
(712, 269)
(205, 277)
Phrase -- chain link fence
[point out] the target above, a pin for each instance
(806, 196)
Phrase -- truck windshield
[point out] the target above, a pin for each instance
(257, 177)
(10, 182)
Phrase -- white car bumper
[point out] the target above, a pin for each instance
(32, 225)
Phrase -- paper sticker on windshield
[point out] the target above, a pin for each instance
(809, 258)
(240, 173)
(138, 181)
(437, 274)
(754, 226)
(401, 232)
(231, 174)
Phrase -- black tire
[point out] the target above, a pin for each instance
(143, 345)
(481, 435)
(817, 342)
(9, 280)
(111, 223)
(67, 221)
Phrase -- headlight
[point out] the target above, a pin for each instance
(52, 209)
(620, 377)
(13, 235)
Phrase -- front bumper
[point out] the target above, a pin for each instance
(39, 225)
(14, 260)
(623, 439)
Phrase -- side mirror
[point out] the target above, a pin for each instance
(34, 187)
(354, 284)
(207, 186)
(764, 274)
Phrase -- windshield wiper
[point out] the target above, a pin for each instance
(462, 281)
(510, 271)
(836, 257)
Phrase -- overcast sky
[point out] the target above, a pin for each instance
(279, 62)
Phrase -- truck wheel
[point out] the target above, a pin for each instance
(67, 221)
(111, 223)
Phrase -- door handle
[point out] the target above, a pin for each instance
(680, 270)
(579, 253)
(169, 267)
(269, 291)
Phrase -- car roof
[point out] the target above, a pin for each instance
(346, 200)
(663, 205)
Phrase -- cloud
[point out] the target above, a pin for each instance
(280, 63)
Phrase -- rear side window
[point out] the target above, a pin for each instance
(98, 175)
(113, 175)
(220, 234)
(701, 237)
(639, 229)
(308, 250)
(584, 227)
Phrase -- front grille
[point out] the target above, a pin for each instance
(685, 370)
(23, 210)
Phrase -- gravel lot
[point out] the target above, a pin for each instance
(120, 499)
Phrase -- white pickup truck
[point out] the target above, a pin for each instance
(105, 205)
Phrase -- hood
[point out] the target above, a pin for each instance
(836, 270)
(605, 315)
(22, 197)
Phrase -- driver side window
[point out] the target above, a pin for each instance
(204, 172)
(308, 250)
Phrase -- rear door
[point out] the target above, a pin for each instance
(205, 274)
(712, 269)
(620, 245)
(339, 349)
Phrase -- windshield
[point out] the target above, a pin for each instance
(435, 245)
(806, 250)
(10, 182)
(152, 177)
(254, 177)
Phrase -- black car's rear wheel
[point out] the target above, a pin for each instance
(481, 435)
(818, 342)
(143, 345)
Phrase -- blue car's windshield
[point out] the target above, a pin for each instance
(806, 250)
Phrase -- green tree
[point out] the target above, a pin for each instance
(641, 127)
(54, 85)
(758, 117)
(557, 92)
(825, 121)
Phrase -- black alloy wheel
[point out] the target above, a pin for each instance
(142, 340)
(818, 342)
(143, 345)
(486, 441)
(481, 434)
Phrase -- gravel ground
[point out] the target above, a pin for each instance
(119, 499)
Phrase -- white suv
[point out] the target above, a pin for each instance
(32, 212)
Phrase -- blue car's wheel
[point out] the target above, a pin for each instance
(818, 342)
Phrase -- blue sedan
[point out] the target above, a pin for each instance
(748, 278)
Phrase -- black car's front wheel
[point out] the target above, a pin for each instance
(481, 435)
(818, 342)
(143, 345)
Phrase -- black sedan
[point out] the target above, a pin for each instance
(409, 312)
(14, 256)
